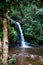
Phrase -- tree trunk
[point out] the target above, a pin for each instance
(0, 49)
(5, 42)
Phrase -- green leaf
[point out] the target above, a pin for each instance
(8, 0)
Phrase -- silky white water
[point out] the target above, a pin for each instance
(20, 30)
(22, 37)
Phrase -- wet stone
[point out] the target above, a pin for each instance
(9, 57)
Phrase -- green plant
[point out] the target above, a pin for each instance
(0, 61)
(12, 61)
(28, 13)
(31, 25)
(41, 61)
(12, 34)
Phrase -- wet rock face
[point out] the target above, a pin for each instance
(14, 18)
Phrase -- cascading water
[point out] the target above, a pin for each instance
(20, 30)
(21, 34)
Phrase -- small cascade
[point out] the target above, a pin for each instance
(21, 34)
(20, 30)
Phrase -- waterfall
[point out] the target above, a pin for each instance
(20, 30)
(21, 34)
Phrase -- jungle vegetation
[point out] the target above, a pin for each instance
(30, 15)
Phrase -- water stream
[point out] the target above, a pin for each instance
(20, 30)
(21, 35)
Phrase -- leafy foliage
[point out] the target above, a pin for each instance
(0, 61)
(12, 61)
(12, 34)
(30, 15)
(31, 25)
